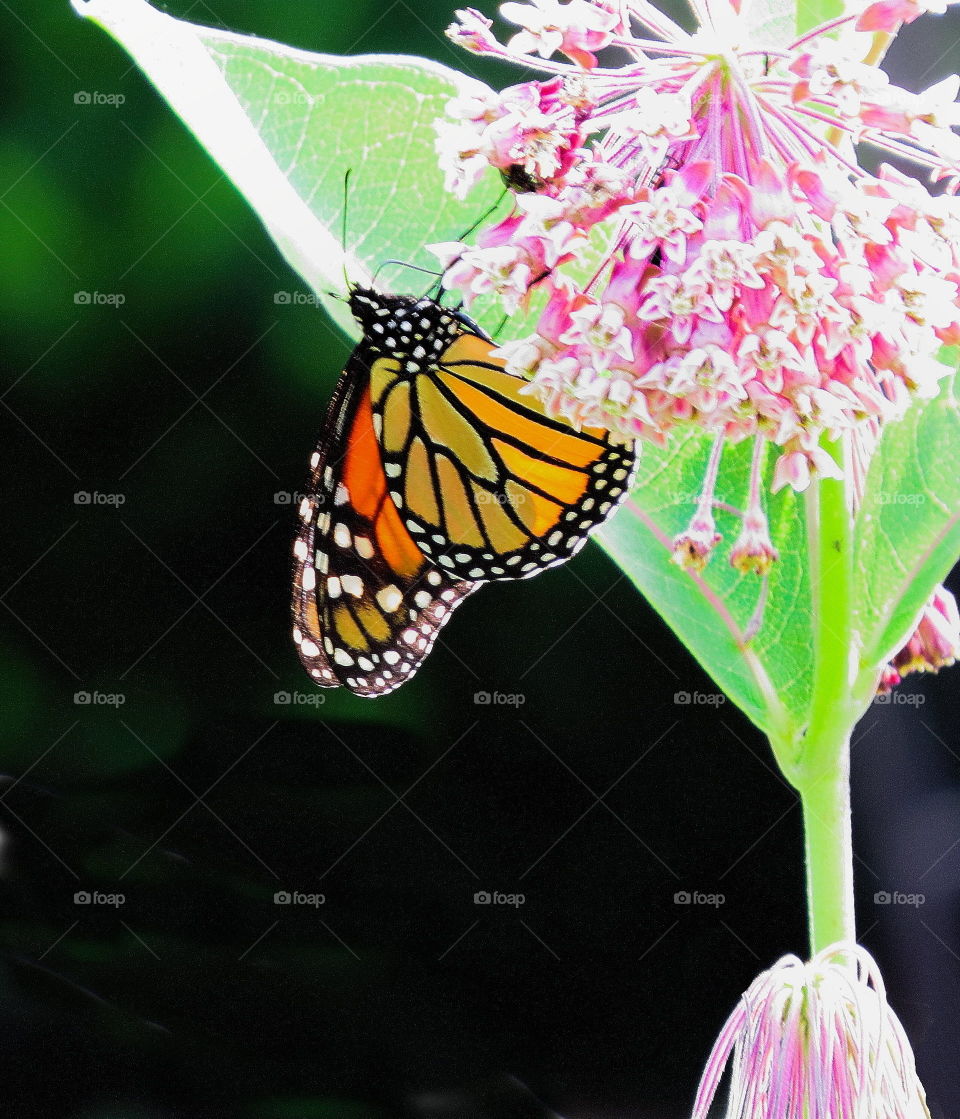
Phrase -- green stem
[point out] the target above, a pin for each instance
(821, 769)
(829, 851)
(833, 711)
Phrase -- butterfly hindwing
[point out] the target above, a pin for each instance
(367, 602)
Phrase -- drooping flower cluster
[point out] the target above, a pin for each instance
(711, 251)
(933, 645)
(815, 1040)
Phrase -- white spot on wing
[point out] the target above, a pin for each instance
(352, 584)
(389, 598)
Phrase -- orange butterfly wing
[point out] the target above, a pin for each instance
(367, 602)
(488, 484)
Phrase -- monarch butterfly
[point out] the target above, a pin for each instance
(433, 475)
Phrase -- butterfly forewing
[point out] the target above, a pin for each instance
(367, 602)
(488, 485)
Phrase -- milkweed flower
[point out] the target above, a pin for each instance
(815, 1040)
(933, 645)
(711, 252)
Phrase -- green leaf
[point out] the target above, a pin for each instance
(286, 125)
(768, 677)
(908, 527)
(771, 23)
(811, 13)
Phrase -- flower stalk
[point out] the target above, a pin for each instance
(828, 847)
(829, 532)
(821, 771)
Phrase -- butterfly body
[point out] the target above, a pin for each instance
(435, 474)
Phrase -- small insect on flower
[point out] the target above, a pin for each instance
(815, 1040)
(434, 475)
(760, 284)
(520, 180)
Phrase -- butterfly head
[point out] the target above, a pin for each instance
(399, 325)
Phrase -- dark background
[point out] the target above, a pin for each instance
(197, 401)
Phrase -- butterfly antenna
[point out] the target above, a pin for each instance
(343, 229)
(405, 264)
(441, 290)
(483, 217)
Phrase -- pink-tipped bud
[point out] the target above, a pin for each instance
(753, 550)
(935, 643)
(692, 547)
(473, 32)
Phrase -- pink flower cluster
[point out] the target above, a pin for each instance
(933, 645)
(815, 1040)
(706, 246)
